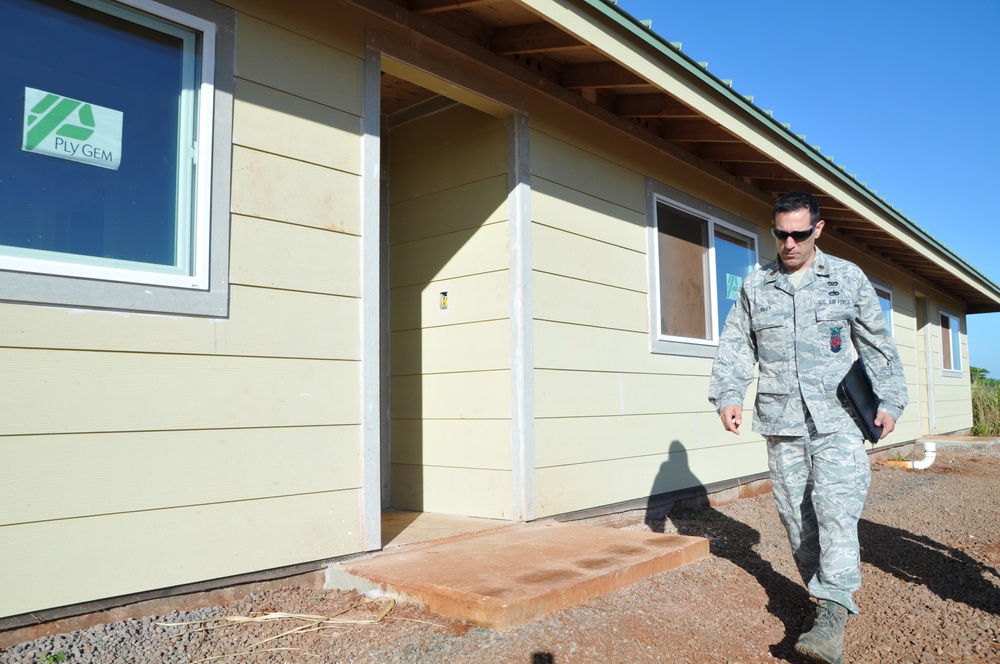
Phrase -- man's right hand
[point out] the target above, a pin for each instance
(732, 418)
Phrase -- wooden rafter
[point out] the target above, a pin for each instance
(600, 75)
(782, 186)
(843, 219)
(771, 171)
(831, 206)
(860, 234)
(887, 245)
(436, 6)
(694, 130)
(657, 105)
(732, 152)
(848, 222)
(533, 38)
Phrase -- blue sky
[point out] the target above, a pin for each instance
(904, 94)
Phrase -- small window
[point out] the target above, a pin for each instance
(699, 257)
(735, 259)
(884, 295)
(951, 343)
(109, 156)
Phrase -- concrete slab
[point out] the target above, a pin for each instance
(508, 577)
(404, 528)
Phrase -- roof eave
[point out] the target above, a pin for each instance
(609, 9)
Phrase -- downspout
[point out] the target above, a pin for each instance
(930, 452)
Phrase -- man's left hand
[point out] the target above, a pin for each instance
(886, 421)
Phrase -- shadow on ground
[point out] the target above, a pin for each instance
(948, 572)
(732, 540)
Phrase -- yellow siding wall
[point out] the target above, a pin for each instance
(450, 385)
(951, 410)
(904, 324)
(143, 451)
(923, 357)
(952, 390)
(614, 422)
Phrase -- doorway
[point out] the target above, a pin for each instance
(446, 432)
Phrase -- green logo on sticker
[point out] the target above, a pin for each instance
(52, 113)
(733, 284)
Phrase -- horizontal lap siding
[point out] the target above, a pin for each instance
(614, 422)
(100, 470)
(621, 479)
(600, 438)
(290, 257)
(450, 383)
(905, 333)
(952, 390)
(953, 404)
(161, 445)
(81, 559)
(87, 392)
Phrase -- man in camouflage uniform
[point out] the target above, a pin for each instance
(798, 318)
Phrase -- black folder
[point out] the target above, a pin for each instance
(856, 390)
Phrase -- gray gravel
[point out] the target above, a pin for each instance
(931, 593)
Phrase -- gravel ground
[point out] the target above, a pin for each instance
(931, 593)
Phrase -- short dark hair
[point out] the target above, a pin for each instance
(797, 200)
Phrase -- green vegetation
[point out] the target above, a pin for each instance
(57, 657)
(985, 403)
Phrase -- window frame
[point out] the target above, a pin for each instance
(955, 337)
(656, 193)
(205, 292)
(885, 288)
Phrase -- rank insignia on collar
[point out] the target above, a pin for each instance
(836, 342)
(831, 283)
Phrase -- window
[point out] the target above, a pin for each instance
(884, 295)
(699, 256)
(113, 167)
(951, 343)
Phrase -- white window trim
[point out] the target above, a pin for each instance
(36, 277)
(657, 192)
(957, 331)
(886, 288)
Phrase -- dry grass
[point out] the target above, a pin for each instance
(305, 623)
(986, 408)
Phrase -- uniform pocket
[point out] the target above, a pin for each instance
(832, 381)
(769, 331)
(772, 397)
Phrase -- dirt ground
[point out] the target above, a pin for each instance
(931, 593)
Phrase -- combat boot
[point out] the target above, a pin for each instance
(809, 620)
(824, 642)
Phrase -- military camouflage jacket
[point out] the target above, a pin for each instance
(802, 340)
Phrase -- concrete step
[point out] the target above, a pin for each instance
(510, 576)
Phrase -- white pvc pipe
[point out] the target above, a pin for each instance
(930, 452)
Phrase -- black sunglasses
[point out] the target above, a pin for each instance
(798, 236)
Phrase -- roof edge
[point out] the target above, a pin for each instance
(611, 10)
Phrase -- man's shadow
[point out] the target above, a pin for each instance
(948, 572)
(679, 496)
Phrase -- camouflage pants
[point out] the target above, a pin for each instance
(820, 482)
